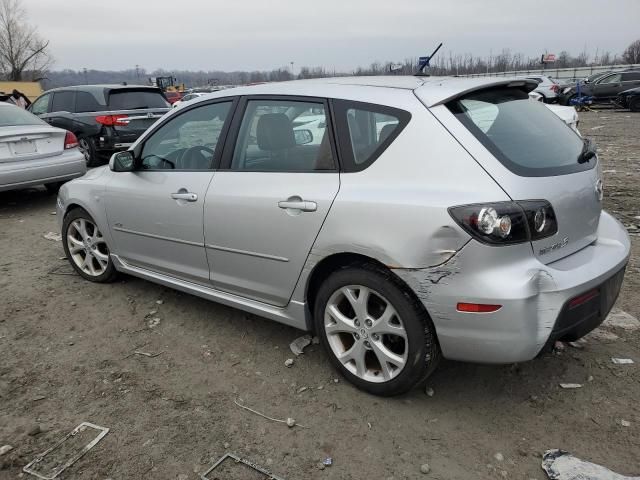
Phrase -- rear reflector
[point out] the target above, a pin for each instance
(70, 141)
(584, 298)
(113, 120)
(477, 308)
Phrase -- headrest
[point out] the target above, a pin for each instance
(275, 132)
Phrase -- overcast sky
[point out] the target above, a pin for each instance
(341, 34)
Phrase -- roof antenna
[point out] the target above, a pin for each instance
(423, 62)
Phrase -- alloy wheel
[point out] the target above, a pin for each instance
(366, 333)
(85, 148)
(87, 247)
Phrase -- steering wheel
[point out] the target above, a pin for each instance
(188, 154)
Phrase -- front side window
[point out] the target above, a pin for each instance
(611, 79)
(63, 101)
(283, 136)
(526, 137)
(188, 141)
(40, 106)
(371, 129)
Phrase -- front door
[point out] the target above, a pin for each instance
(155, 212)
(265, 208)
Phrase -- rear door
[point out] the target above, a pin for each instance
(155, 213)
(266, 206)
(533, 155)
(61, 110)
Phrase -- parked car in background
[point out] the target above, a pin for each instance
(187, 97)
(173, 96)
(104, 118)
(427, 218)
(34, 153)
(568, 115)
(629, 99)
(547, 87)
(604, 88)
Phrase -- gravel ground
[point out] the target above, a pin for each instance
(67, 356)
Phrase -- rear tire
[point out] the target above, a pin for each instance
(88, 148)
(376, 333)
(86, 249)
(634, 104)
(52, 188)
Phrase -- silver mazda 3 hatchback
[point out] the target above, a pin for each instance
(400, 219)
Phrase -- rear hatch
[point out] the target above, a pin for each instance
(29, 142)
(533, 155)
(136, 110)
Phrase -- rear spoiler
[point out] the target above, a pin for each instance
(432, 95)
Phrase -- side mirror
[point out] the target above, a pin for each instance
(303, 137)
(122, 162)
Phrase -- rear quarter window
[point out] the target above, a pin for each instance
(524, 135)
(136, 100)
(365, 131)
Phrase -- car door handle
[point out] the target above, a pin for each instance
(302, 205)
(187, 196)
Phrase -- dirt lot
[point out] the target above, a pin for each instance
(66, 356)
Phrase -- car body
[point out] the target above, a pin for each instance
(104, 118)
(187, 97)
(568, 115)
(602, 88)
(404, 234)
(629, 99)
(173, 96)
(34, 153)
(547, 87)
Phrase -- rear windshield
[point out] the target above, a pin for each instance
(524, 135)
(136, 99)
(11, 116)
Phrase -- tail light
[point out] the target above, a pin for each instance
(507, 223)
(113, 120)
(70, 141)
(555, 88)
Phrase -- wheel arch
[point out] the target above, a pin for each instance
(334, 262)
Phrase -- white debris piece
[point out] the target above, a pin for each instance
(56, 237)
(299, 344)
(561, 465)
(625, 423)
(620, 319)
(499, 457)
(288, 362)
(570, 385)
(5, 449)
(430, 392)
(622, 361)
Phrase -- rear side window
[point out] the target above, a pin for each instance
(525, 136)
(366, 130)
(86, 102)
(63, 101)
(136, 100)
(630, 76)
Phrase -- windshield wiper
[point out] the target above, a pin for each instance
(589, 150)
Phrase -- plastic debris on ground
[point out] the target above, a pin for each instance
(622, 361)
(52, 462)
(56, 237)
(299, 344)
(233, 466)
(570, 385)
(328, 461)
(621, 319)
(561, 465)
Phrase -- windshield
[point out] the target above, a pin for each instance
(11, 116)
(136, 99)
(525, 136)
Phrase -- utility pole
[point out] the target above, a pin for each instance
(292, 74)
(138, 72)
(86, 78)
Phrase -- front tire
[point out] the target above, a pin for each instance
(86, 248)
(377, 334)
(634, 104)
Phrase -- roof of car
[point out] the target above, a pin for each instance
(100, 88)
(431, 90)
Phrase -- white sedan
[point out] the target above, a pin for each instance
(35, 153)
(568, 115)
(186, 98)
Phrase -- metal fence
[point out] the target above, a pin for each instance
(559, 73)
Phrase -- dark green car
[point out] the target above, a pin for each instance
(604, 88)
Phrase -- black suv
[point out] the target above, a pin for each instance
(605, 88)
(105, 118)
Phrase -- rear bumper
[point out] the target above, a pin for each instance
(22, 174)
(534, 296)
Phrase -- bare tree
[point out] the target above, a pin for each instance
(21, 48)
(632, 53)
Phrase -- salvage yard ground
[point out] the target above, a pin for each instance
(68, 355)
